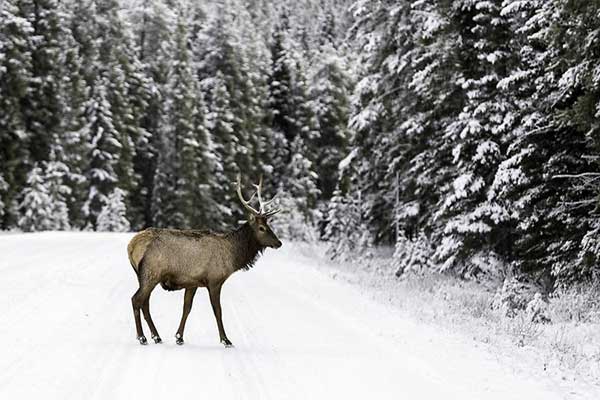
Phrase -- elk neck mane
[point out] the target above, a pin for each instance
(246, 247)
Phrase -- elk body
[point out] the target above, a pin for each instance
(189, 259)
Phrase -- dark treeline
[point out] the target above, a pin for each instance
(476, 145)
(463, 132)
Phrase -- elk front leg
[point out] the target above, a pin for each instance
(215, 300)
(187, 307)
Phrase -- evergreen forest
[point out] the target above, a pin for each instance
(462, 134)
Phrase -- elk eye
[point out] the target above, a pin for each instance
(261, 228)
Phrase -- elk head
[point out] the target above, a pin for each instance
(258, 218)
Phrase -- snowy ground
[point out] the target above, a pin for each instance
(67, 331)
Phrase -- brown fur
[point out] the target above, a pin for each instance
(178, 259)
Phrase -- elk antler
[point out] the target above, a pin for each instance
(262, 211)
(245, 203)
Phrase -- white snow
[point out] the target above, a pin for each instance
(348, 159)
(67, 332)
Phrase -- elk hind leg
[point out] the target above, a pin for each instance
(148, 318)
(138, 301)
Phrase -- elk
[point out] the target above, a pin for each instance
(189, 259)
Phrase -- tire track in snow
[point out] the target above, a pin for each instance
(239, 360)
(260, 354)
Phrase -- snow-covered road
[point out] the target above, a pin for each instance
(67, 332)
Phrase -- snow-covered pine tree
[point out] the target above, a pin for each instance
(153, 23)
(181, 118)
(335, 229)
(56, 174)
(35, 208)
(220, 121)
(255, 66)
(110, 69)
(298, 194)
(47, 100)
(330, 93)
(15, 77)
(281, 98)
(163, 196)
(576, 117)
(113, 216)
(44, 104)
(126, 93)
(379, 109)
(346, 230)
(552, 216)
(475, 138)
(112, 72)
(104, 151)
(304, 116)
(71, 145)
(420, 85)
(295, 130)
(398, 109)
(215, 114)
(207, 211)
(43, 205)
(519, 177)
(225, 74)
(192, 204)
(139, 95)
(407, 98)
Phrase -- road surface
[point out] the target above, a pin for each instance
(67, 332)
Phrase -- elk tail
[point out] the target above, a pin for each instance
(137, 248)
(131, 261)
(135, 267)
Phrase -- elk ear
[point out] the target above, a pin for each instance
(251, 218)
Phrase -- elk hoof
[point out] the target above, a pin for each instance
(179, 339)
(142, 340)
(157, 339)
(226, 343)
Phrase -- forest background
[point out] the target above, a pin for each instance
(463, 134)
